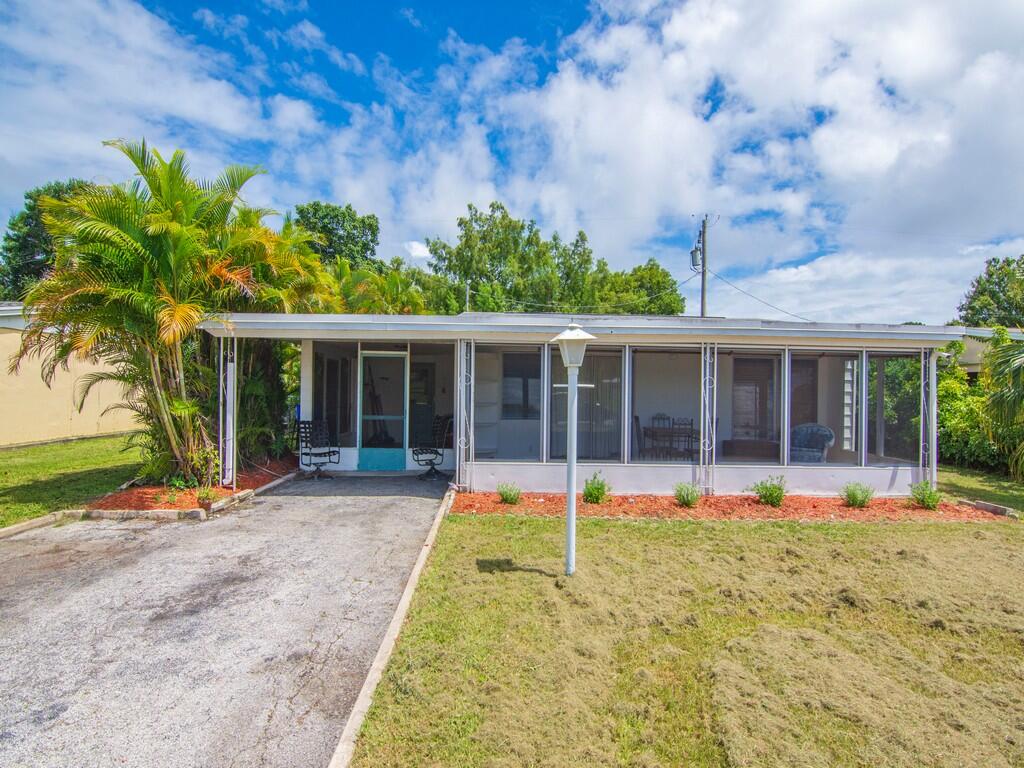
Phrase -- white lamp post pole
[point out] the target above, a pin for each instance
(570, 471)
(572, 343)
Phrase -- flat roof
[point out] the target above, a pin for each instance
(484, 325)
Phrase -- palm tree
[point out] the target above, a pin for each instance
(367, 291)
(1004, 365)
(140, 265)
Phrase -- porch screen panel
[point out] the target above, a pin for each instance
(599, 437)
(334, 386)
(894, 408)
(431, 395)
(506, 402)
(824, 403)
(749, 428)
(665, 406)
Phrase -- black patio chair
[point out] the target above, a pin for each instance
(315, 449)
(430, 456)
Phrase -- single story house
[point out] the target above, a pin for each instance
(714, 401)
(31, 412)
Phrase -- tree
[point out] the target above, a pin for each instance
(391, 292)
(138, 266)
(1004, 370)
(27, 251)
(996, 296)
(341, 233)
(510, 267)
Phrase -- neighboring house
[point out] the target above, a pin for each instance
(31, 412)
(718, 402)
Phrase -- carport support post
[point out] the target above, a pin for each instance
(933, 419)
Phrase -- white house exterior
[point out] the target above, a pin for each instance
(715, 401)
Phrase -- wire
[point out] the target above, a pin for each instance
(638, 299)
(766, 303)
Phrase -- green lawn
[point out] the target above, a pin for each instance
(45, 478)
(981, 486)
(709, 644)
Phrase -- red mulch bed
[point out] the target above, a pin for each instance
(156, 496)
(804, 508)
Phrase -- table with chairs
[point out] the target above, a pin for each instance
(666, 438)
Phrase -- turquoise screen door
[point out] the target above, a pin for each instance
(383, 403)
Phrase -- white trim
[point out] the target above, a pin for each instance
(483, 326)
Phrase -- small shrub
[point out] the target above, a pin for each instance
(205, 495)
(687, 494)
(180, 483)
(596, 489)
(924, 495)
(770, 491)
(172, 497)
(857, 494)
(509, 493)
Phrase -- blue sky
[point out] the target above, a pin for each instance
(859, 160)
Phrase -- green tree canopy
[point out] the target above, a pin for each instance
(510, 267)
(341, 233)
(996, 296)
(27, 251)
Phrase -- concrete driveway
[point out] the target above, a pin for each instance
(241, 641)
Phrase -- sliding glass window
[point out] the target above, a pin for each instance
(824, 408)
(749, 423)
(506, 403)
(599, 435)
(894, 408)
(665, 400)
(431, 395)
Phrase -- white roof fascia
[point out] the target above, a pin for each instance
(527, 327)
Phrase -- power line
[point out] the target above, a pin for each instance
(766, 303)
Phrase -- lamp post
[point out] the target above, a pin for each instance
(572, 343)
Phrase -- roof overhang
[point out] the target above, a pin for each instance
(541, 327)
(11, 316)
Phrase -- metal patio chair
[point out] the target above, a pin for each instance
(432, 455)
(315, 449)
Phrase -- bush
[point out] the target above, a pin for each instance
(771, 491)
(924, 495)
(205, 495)
(509, 493)
(596, 489)
(687, 494)
(857, 494)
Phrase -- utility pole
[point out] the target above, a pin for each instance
(704, 266)
(467, 295)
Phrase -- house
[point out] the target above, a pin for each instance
(714, 401)
(31, 412)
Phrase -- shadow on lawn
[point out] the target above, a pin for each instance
(507, 565)
(67, 488)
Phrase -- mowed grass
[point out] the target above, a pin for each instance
(44, 478)
(973, 484)
(709, 644)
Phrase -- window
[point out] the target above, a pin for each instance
(599, 407)
(520, 386)
(824, 407)
(506, 403)
(894, 408)
(665, 406)
(749, 407)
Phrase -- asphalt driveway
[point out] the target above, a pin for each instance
(241, 641)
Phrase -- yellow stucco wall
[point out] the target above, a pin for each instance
(31, 412)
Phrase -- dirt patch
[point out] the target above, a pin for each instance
(801, 697)
(163, 497)
(740, 507)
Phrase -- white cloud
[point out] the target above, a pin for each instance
(285, 6)
(417, 249)
(307, 36)
(410, 16)
(859, 159)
